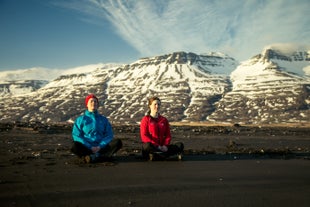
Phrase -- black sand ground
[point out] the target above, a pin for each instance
(222, 166)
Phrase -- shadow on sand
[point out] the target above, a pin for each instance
(217, 157)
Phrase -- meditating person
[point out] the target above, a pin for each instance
(92, 134)
(155, 134)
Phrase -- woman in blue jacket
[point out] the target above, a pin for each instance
(92, 134)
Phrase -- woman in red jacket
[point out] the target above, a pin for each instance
(155, 134)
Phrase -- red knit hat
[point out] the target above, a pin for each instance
(89, 97)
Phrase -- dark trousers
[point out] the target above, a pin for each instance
(80, 150)
(173, 149)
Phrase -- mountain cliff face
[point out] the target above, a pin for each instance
(269, 88)
(272, 87)
(187, 84)
(21, 86)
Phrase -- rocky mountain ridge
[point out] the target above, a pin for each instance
(269, 88)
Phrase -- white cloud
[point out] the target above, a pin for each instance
(240, 28)
(288, 49)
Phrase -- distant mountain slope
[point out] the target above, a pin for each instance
(23, 81)
(187, 83)
(272, 87)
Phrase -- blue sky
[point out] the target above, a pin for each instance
(68, 33)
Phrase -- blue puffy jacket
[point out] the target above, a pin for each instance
(92, 129)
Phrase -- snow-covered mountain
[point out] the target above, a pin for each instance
(23, 81)
(271, 87)
(187, 83)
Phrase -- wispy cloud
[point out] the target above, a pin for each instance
(240, 28)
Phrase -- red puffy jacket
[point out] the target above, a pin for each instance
(155, 130)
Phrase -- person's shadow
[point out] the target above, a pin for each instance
(216, 157)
